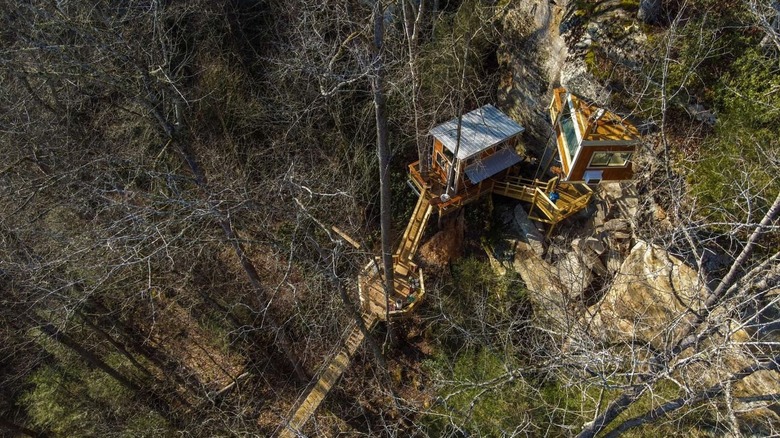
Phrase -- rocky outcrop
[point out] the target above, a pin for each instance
(445, 246)
(549, 295)
(531, 55)
(527, 229)
(651, 289)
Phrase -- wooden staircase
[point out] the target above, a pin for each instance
(414, 230)
(327, 378)
(573, 198)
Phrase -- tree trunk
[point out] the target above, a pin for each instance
(692, 399)
(383, 151)
(413, 19)
(451, 174)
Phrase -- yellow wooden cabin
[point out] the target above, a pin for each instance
(594, 144)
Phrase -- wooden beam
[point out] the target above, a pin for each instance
(346, 237)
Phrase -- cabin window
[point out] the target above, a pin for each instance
(441, 161)
(609, 159)
(567, 121)
(447, 154)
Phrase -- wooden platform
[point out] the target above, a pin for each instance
(573, 198)
(408, 291)
(431, 185)
(408, 285)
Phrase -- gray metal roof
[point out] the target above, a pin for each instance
(480, 129)
(485, 168)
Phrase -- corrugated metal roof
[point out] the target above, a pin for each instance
(480, 129)
(485, 168)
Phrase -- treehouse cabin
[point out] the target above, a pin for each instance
(485, 151)
(487, 140)
(594, 144)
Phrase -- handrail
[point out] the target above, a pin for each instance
(546, 205)
(418, 296)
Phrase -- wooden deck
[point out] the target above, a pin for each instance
(408, 287)
(573, 198)
(431, 184)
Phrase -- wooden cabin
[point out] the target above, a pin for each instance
(487, 148)
(594, 144)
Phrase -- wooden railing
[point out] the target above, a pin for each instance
(416, 176)
(419, 295)
(414, 230)
(550, 210)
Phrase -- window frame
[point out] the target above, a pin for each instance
(611, 155)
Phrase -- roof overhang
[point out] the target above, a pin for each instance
(491, 165)
(481, 129)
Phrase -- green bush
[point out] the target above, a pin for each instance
(736, 174)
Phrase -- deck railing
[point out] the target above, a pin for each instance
(546, 206)
(418, 293)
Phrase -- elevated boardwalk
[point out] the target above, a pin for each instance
(573, 197)
(407, 292)
(408, 287)
(306, 407)
(414, 230)
(408, 282)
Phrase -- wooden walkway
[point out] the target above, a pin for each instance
(327, 379)
(408, 288)
(573, 198)
(408, 281)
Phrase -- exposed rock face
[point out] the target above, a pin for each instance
(528, 230)
(651, 289)
(531, 54)
(549, 295)
(588, 250)
(650, 293)
(649, 11)
(445, 246)
(574, 274)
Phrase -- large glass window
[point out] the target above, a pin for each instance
(609, 159)
(567, 128)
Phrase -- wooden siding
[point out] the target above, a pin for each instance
(607, 133)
